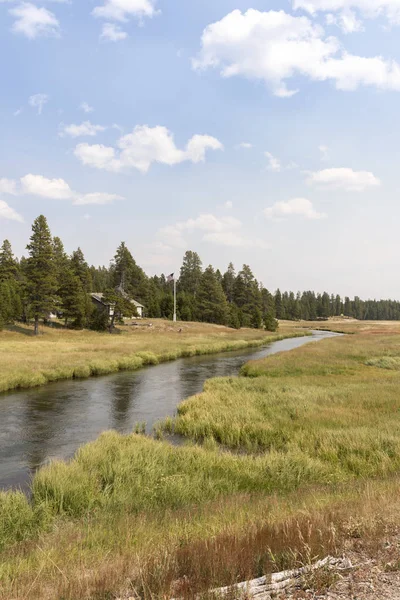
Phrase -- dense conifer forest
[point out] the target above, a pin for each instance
(49, 281)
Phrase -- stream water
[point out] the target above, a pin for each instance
(49, 422)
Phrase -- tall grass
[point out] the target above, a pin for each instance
(61, 354)
(294, 459)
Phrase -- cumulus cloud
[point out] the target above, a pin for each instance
(122, 10)
(34, 21)
(8, 186)
(223, 231)
(347, 21)
(273, 163)
(38, 101)
(58, 189)
(6, 212)
(275, 46)
(86, 107)
(245, 145)
(37, 185)
(296, 207)
(112, 33)
(143, 147)
(99, 198)
(84, 129)
(343, 178)
(369, 9)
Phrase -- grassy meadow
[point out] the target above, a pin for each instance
(281, 465)
(28, 361)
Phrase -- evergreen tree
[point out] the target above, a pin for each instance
(74, 305)
(81, 269)
(120, 306)
(280, 313)
(41, 276)
(191, 272)
(8, 264)
(10, 286)
(228, 282)
(211, 305)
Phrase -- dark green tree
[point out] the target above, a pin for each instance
(211, 305)
(81, 269)
(190, 274)
(40, 272)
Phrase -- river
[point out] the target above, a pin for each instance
(49, 422)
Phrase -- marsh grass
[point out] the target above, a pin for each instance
(291, 466)
(62, 354)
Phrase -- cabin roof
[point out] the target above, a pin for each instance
(99, 297)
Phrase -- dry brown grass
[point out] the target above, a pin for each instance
(57, 354)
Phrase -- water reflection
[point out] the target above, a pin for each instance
(52, 422)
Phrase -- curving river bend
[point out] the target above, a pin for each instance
(50, 422)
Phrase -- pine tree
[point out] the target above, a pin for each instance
(211, 305)
(191, 272)
(8, 264)
(74, 305)
(280, 313)
(120, 306)
(41, 277)
(81, 270)
(228, 282)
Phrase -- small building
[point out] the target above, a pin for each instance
(97, 299)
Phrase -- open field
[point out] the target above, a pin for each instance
(298, 458)
(58, 354)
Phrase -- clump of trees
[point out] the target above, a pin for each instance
(48, 280)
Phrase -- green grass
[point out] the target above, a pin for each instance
(292, 457)
(62, 354)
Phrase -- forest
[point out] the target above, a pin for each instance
(49, 281)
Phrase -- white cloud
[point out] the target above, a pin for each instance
(6, 212)
(121, 10)
(100, 198)
(58, 189)
(234, 240)
(245, 145)
(275, 46)
(38, 101)
(86, 107)
(324, 150)
(347, 21)
(84, 129)
(223, 231)
(33, 21)
(98, 156)
(369, 9)
(343, 178)
(37, 185)
(299, 207)
(112, 33)
(228, 204)
(143, 147)
(17, 112)
(8, 186)
(273, 163)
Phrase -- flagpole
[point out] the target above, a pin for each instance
(174, 300)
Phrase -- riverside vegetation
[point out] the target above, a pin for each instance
(281, 465)
(28, 361)
(49, 281)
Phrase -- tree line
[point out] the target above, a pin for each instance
(49, 281)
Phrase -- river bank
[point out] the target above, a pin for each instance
(59, 354)
(319, 449)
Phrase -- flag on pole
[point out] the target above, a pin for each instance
(170, 278)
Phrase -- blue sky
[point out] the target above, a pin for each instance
(259, 132)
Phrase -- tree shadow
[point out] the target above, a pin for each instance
(19, 329)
